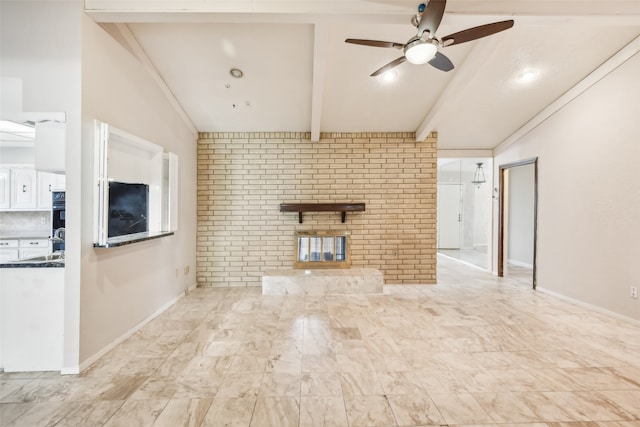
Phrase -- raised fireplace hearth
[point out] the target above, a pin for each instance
(323, 282)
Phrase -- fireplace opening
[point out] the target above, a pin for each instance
(321, 249)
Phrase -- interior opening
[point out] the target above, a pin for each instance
(464, 209)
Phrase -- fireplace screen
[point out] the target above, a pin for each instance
(322, 249)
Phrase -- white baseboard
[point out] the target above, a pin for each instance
(70, 370)
(95, 357)
(587, 305)
(519, 263)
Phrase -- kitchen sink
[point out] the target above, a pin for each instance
(54, 257)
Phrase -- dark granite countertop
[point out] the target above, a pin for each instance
(27, 264)
(133, 238)
(54, 260)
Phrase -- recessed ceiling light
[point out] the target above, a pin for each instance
(389, 76)
(527, 76)
(236, 72)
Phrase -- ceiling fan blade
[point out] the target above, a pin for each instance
(389, 66)
(441, 62)
(375, 43)
(432, 17)
(476, 32)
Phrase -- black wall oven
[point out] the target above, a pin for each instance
(57, 217)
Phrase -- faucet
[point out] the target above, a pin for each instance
(58, 235)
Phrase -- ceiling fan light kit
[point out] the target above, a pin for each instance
(422, 50)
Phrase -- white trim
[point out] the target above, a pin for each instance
(96, 356)
(463, 262)
(599, 73)
(100, 202)
(465, 153)
(70, 370)
(320, 46)
(462, 13)
(519, 263)
(132, 140)
(141, 55)
(587, 305)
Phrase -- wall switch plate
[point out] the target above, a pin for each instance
(187, 269)
(634, 292)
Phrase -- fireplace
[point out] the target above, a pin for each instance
(321, 249)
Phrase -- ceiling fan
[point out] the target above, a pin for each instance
(424, 47)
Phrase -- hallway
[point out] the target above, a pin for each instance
(472, 350)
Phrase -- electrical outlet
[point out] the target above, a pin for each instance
(634, 292)
(43, 220)
(177, 273)
(186, 269)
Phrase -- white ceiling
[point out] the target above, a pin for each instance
(299, 75)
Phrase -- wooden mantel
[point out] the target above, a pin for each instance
(322, 207)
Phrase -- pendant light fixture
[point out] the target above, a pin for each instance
(478, 178)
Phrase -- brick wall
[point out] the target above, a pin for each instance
(243, 178)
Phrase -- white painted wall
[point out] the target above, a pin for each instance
(123, 286)
(589, 196)
(521, 215)
(16, 155)
(58, 52)
(41, 47)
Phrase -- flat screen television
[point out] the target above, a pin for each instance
(128, 208)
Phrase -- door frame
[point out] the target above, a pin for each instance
(501, 213)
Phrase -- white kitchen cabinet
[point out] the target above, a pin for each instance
(9, 249)
(13, 249)
(23, 189)
(49, 149)
(5, 188)
(31, 319)
(32, 252)
(48, 183)
(34, 247)
(7, 255)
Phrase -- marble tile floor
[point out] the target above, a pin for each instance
(474, 350)
(519, 273)
(476, 257)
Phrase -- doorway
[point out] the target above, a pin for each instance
(517, 226)
(464, 210)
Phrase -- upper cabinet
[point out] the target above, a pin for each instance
(50, 146)
(22, 188)
(47, 184)
(5, 188)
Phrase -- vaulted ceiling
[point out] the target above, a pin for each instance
(300, 75)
